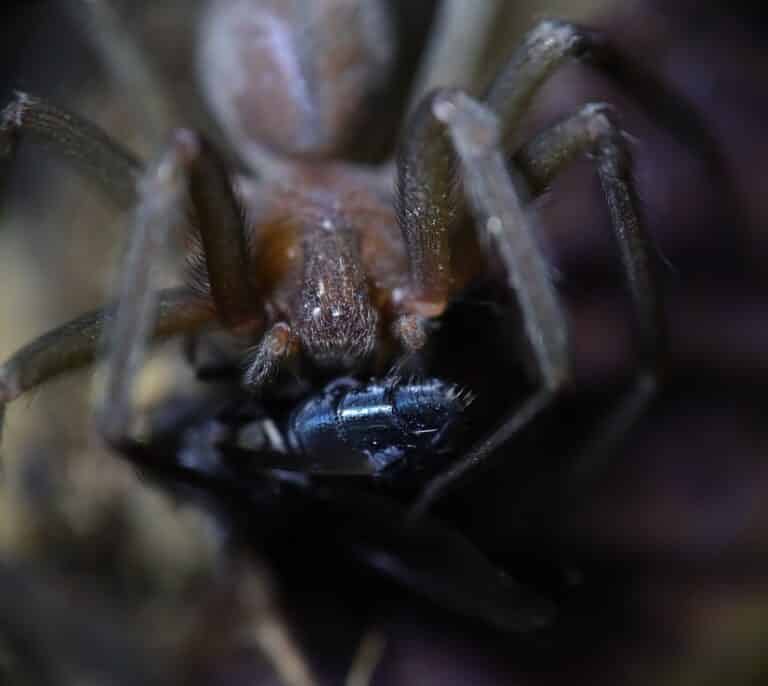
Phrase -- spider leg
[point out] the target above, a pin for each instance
(552, 42)
(189, 164)
(221, 223)
(218, 214)
(127, 61)
(545, 47)
(457, 22)
(140, 313)
(591, 131)
(93, 152)
(159, 211)
(78, 342)
(277, 344)
(495, 199)
(427, 207)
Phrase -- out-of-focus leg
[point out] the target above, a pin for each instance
(78, 342)
(456, 45)
(89, 148)
(553, 42)
(490, 194)
(129, 66)
(160, 211)
(591, 131)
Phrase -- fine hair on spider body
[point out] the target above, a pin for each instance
(344, 266)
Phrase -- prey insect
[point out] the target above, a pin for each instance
(343, 268)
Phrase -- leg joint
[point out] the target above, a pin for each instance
(604, 138)
(558, 37)
(11, 120)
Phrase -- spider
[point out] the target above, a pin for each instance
(345, 267)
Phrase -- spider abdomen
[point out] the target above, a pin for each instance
(293, 76)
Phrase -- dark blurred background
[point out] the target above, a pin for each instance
(660, 571)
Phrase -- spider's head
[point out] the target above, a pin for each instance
(340, 336)
(336, 322)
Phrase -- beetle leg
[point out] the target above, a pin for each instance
(77, 140)
(495, 200)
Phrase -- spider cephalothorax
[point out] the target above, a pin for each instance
(344, 265)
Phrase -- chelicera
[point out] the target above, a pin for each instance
(344, 267)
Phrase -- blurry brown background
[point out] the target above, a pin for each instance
(669, 553)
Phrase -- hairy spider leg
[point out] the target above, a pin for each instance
(425, 163)
(592, 132)
(157, 213)
(491, 194)
(218, 219)
(552, 42)
(545, 48)
(83, 144)
(216, 213)
(264, 360)
(78, 342)
(426, 179)
(426, 211)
